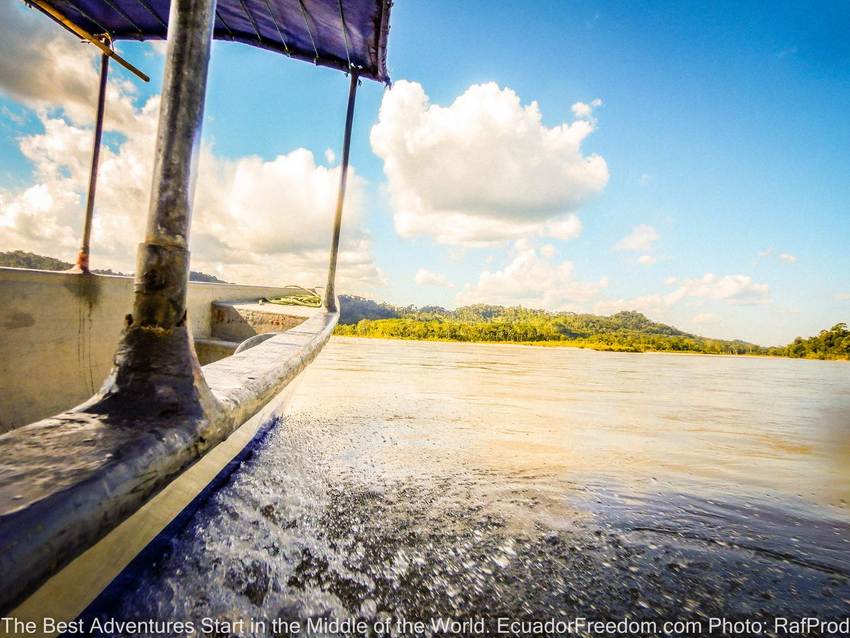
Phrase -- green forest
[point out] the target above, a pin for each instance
(626, 331)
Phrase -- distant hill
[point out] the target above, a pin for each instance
(22, 259)
(354, 308)
(626, 331)
(195, 275)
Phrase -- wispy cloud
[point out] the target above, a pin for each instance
(8, 114)
(735, 289)
(785, 257)
(788, 51)
(428, 278)
(641, 239)
(584, 110)
(705, 319)
(731, 289)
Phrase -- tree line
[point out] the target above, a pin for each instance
(626, 331)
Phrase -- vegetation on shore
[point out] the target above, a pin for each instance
(22, 259)
(833, 343)
(626, 331)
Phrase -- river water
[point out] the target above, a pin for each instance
(420, 481)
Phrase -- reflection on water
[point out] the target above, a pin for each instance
(418, 480)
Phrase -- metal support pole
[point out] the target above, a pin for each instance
(330, 294)
(156, 369)
(51, 12)
(162, 268)
(83, 255)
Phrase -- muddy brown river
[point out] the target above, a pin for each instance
(435, 488)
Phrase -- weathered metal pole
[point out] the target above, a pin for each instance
(83, 255)
(163, 260)
(156, 369)
(330, 293)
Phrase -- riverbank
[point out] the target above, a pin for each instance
(342, 331)
(625, 331)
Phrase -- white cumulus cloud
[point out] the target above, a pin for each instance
(532, 280)
(258, 221)
(255, 221)
(426, 277)
(484, 169)
(566, 227)
(43, 66)
(272, 219)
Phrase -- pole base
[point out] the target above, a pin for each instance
(156, 374)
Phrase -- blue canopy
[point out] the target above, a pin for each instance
(350, 35)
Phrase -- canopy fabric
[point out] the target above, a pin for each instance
(350, 35)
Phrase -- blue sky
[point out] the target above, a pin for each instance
(724, 129)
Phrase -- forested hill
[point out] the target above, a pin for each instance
(21, 259)
(626, 331)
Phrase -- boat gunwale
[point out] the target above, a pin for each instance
(51, 512)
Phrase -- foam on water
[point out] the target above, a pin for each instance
(434, 480)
